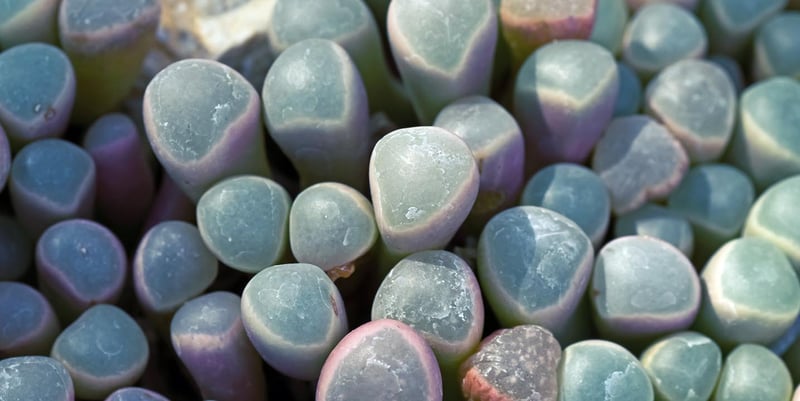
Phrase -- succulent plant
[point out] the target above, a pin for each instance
(648, 44)
(753, 371)
(683, 366)
(80, 263)
(125, 180)
(24, 21)
(763, 145)
(530, 24)
(643, 288)
(28, 377)
(534, 266)
(51, 180)
(659, 222)
(736, 311)
(316, 110)
(599, 370)
(37, 93)
(331, 226)
(350, 24)
(629, 96)
(29, 323)
(436, 293)
(564, 97)
(294, 316)
(106, 49)
(774, 50)
(203, 121)
(103, 350)
(716, 199)
(171, 265)
(639, 161)
(575, 192)
(383, 359)
(766, 219)
(609, 24)
(731, 24)
(496, 141)
(244, 221)
(441, 50)
(514, 364)
(696, 101)
(423, 182)
(208, 336)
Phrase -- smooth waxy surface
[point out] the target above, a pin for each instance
(29, 325)
(753, 372)
(696, 101)
(600, 370)
(629, 97)
(209, 338)
(51, 180)
(751, 294)
(423, 181)
(125, 179)
(642, 288)
(575, 192)
(316, 111)
(609, 24)
(563, 99)
(683, 366)
(203, 122)
(103, 350)
(107, 42)
(659, 222)
(331, 225)
(441, 50)
(294, 315)
(731, 24)
(80, 263)
(529, 24)
(496, 141)
(716, 199)
(24, 21)
(769, 219)
(660, 34)
(436, 293)
(639, 161)
(350, 24)
(765, 144)
(37, 91)
(775, 48)
(172, 264)
(381, 360)
(520, 363)
(244, 222)
(28, 377)
(534, 265)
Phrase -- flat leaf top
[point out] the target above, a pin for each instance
(87, 255)
(192, 104)
(33, 78)
(53, 169)
(441, 32)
